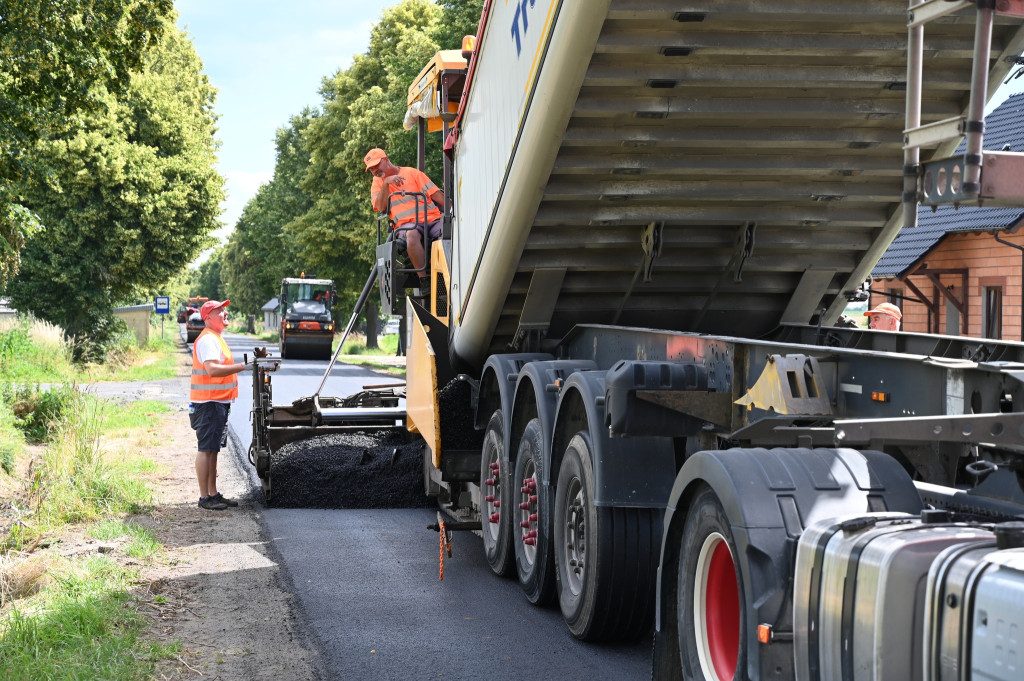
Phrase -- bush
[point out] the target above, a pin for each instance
(36, 412)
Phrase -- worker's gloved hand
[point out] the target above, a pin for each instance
(259, 352)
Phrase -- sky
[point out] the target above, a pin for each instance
(267, 59)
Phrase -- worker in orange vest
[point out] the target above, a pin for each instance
(414, 221)
(214, 388)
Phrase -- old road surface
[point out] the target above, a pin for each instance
(365, 582)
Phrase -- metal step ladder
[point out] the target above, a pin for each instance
(975, 177)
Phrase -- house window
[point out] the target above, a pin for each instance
(991, 311)
(895, 296)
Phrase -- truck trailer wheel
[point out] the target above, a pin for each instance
(532, 534)
(496, 502)
(606, 558)
(710, 614)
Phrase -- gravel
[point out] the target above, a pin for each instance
(355, 470)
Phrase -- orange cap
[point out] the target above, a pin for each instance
(211, 305)
(887, 309)
(373, 158)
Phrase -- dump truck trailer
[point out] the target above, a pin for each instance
(657, 212)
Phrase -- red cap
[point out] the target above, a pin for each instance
(887, 309)
(211, 305)
(373, 158)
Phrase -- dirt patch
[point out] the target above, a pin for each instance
(215, 587)
(216, 590)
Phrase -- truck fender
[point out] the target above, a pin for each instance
(536, 396)
(770, 496)
(497, 387)
(628, 471)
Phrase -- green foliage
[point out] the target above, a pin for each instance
(12, 440)
(260, 252)
(141, 542)
(74, 482)
(79, 626)
(37, 411)
(56, 56)
(458, 18)
(206, 279)
(34, 351)
(132, 196)
(315, 214)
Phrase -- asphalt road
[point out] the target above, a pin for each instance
(366, 581)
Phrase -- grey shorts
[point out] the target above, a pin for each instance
(433, 228)
(210, 421)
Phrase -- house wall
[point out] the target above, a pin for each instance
(987, 262)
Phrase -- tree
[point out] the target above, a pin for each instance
(131, 197)
(57, 58)
(363, 108)
(206, 279)
(260, 252)
(458, 18)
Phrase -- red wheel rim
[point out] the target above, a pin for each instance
(717, 609)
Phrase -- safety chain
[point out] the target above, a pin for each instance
(445, 542)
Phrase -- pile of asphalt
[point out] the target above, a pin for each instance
(381, 469)
(354, 470)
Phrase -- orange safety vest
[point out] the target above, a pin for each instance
(407, 209)
(207, 388)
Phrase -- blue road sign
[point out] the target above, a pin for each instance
(163, 304)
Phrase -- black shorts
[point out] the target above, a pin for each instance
(210, 421)
(434, 229)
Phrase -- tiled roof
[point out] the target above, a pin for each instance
(1004, 126)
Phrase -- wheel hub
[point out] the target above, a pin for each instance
(528, 512)
(716, 613)
(575, 552)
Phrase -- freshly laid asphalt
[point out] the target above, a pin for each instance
(366, 581)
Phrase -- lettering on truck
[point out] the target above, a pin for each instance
(520, 13)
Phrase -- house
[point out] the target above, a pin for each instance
(271, 314)
(961, 272)
(6, 311)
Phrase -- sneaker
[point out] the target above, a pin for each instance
(212, 504)
(224, 500)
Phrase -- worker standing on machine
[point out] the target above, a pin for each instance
(407, 213)
(214, 388)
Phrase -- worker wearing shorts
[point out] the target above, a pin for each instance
(214, 388)
(413, 220)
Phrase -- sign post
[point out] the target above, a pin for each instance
(163, 307)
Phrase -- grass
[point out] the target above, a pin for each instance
(12, 440)
(80, 626)
(74, 618)
(34, 351)
(140, 542)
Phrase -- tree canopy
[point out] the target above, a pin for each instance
(131, 193)
(58, 60)
(331, 231)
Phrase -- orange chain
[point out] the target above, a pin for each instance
(441, 535)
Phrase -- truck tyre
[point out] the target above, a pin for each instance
(606, 558)
(532, 531)
(496, 500)
(711, 615)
